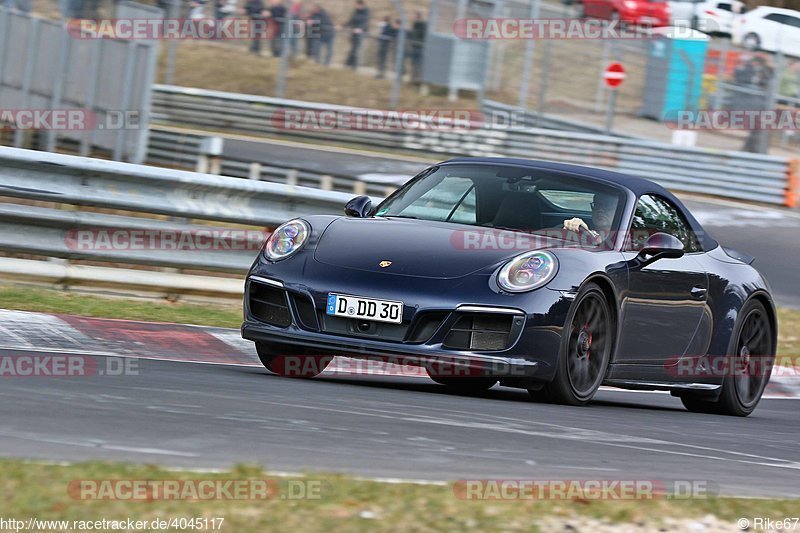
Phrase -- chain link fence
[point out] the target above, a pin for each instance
(555, 77)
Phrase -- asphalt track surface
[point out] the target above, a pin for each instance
(215, 415)
(770, 234)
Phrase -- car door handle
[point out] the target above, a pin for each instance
(698, 292)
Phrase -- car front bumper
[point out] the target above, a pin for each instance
(530, 351)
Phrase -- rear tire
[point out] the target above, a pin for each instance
(741, 388)
(585, 350)
(288, 361)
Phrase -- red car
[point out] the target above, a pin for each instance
(644, 12)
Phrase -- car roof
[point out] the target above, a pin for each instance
(636, 185)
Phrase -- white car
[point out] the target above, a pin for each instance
(711, 16)
(770, 29)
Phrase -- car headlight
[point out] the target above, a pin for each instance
(630, 4)
(527, 271)
(286, 240)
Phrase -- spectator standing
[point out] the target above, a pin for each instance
(386, 39)
(255, 10)
(277, 13)
(295, 25)
(416, 46)
(359, 26)
(322, 33)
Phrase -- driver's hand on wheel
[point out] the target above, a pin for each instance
(575, 224)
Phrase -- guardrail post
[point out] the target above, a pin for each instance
(326, 183)
(359, 188)
(208, 158)
(255, 171)
(291, 178)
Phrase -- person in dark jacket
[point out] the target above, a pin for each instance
(278, 17)
(416, 46)
(359, 26)
(321, 34)
(255, 10)
(386, 41)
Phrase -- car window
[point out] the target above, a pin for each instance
(655, 214)
(776, 17)
(451, 199)
(512, 197)
(724, 7)
(792, 21)
(571, 200)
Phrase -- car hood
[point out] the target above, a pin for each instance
(420, 248)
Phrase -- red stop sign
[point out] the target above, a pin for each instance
(614, 75)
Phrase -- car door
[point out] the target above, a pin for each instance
(665, 300)
(791, 39)
(770, 32)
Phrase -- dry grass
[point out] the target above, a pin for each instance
(227, 67)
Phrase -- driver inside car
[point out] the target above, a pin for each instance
(603, 208)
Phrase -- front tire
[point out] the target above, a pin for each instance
(585, 350)
(288, 361)
(752, 42)
(742, 387)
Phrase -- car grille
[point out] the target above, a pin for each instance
(480, 332)
(306, 312)
(269, 304)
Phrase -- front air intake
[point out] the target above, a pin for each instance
(483, 331)
(269, 304)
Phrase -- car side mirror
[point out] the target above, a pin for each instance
(661, 246)
(358, 207)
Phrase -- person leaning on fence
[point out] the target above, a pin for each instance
(255, 10)
(416, 46)
(320, 33)
(386, 39)
(359, 25)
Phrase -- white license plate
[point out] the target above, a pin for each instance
(364, 308)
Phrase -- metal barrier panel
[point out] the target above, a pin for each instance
(43, 67)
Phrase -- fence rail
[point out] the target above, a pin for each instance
(731, 174)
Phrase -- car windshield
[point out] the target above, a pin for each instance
(507, 197)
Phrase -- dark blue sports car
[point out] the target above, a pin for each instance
(550, 277)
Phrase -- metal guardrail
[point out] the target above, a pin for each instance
(548, 122)
(83, 181)
(164, 198)
(731, 174)
(172, 147)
